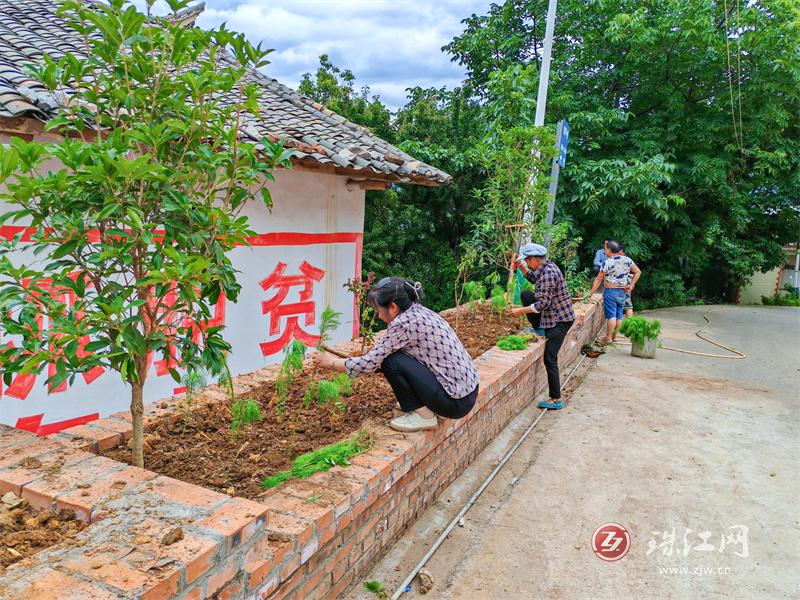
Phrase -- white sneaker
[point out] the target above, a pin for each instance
(413, 422)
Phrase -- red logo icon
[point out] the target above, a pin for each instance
(611, 541)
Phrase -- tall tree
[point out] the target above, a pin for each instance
(685, 139)
(133, 229)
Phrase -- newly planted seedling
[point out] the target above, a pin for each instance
(322, 459)
(475, 292)
(245, 411)
(331, 392)
(291, 366)
(360, 289)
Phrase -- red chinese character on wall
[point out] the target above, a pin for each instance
(171, 321)
(292, 311)
(22, 384)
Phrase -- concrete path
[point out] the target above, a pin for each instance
(699, 446)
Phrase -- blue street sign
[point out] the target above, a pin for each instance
(562, 145)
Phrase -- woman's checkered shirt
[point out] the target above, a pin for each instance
(425, 335)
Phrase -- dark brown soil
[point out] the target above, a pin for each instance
(24, 531)
(480, 328)
(200, 448)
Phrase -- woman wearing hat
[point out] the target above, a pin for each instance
(549, 308)
(420, 355)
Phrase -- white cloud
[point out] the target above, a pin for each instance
(389, 45)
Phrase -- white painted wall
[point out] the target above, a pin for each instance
(304, 203)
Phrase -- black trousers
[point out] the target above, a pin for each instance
(416, 386)
(555, 339)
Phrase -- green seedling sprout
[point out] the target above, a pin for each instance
(323, 459)
(376, 587)
(245, 411)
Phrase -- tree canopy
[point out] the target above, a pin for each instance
(685, 138)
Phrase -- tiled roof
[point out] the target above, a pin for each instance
(29, 29)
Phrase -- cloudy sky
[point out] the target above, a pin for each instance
(389, 45)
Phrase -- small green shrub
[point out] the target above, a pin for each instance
(291, 366)
(474, 292)
(499, 299)
(638, 328)
(512, 342)
(376, 587)
(791, 299)
(244, 412)
(323, 459)
(329, 391)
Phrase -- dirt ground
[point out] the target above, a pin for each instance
(702, 447)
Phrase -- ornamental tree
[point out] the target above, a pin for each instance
(132, 231)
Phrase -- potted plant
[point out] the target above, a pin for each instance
(643, 335)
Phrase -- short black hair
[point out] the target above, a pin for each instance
(614, 246)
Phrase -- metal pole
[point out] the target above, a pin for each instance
(544, 74)
(541, 98)
(551, 194)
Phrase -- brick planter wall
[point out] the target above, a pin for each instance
(305, 539)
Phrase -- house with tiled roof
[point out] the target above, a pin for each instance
(312, 234)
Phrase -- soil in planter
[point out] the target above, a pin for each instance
(24, 531)
(200, 448)
(480, 329)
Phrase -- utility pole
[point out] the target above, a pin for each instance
(538, 121)
(541, 99)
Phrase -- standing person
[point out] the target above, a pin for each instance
(420, 355)
(548, 308)
(599, 258)
(614, 279)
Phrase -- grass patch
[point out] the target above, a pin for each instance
(323, 459)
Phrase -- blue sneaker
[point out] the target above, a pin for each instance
(549, 406)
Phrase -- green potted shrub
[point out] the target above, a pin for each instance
(643, 335)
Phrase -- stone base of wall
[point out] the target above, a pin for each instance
(306, 539)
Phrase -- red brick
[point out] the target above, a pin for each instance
(27, 447)
(257, 571)
(12, 481)
(100, 438)
(379, 464)
(165, 589)
(197, 554)
(40, 493)
(288, 586)
(222, 576)
(84, 500)
(196, 593)
(104, 567)
(124, 428)
(279, 550)
(230, 591)
(282, 502)
(186, 493)
(311, 584)
(51, 585)
(237, 519)
(265, 590)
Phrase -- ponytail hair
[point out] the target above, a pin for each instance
(402, 292)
